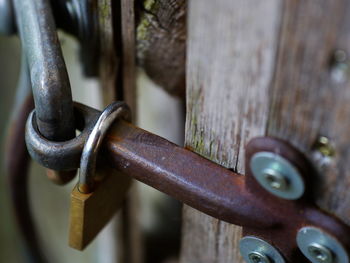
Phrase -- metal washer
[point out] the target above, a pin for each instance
(309, 235)
(262, 161)
(251, 244)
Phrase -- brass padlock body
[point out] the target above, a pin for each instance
(89, 213)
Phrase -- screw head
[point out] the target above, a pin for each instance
(275, 179)
(256, 250)
(323, 151)
(340, 55)
(320, 247)
(277, 175)
(257, 257)
(324, 146)
(320, 253)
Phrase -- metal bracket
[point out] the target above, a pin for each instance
(296, 217)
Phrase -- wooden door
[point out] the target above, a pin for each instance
(275, 68)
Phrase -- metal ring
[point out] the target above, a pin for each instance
(60, 155)
(88, 159)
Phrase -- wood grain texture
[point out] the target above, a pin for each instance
(109, 67)
(308, 100)
(230, 64)
(133, 245)
(118, 78)
(129, 53)
(161, 43)
(109, 62)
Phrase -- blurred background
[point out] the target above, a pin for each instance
(159, 216)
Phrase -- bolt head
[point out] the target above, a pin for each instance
(320, 247)
(277, 175)
(340, 55)
(320, 253)
(256, 250)
(257, 257)
(275, 179)
(324, 146)
(339, 66)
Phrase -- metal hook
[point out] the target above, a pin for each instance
(88, 159)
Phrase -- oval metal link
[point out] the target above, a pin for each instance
(61, 155)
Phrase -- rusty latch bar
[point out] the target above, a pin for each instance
(272, 201)
(280, 221)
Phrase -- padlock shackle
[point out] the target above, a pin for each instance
(88, 160)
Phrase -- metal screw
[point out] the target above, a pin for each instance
(320, 247)
(324, 146)
(276, 180)
(256, 257)
(340, 55)
(323, 151)
(320, 253)
(277, 175)
(256, 250)
(339, 66)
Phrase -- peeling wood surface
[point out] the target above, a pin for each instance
(161, 42)
(311, 95)
(230, 64)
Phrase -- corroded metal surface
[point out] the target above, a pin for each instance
(292, 215)
(215, 190)
(184, 175)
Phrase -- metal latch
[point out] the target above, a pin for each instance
(272, 201)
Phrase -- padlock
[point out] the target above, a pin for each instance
(89, 213)
(100, 192)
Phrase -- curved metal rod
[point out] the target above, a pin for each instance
(17, 166)
(49, 77)
(48, 153)
(93, 143)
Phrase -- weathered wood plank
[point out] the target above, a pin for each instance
(118, 80)
(230, 64)
(133, 247)
(129, 52)
(109, 63)
(311, 96)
